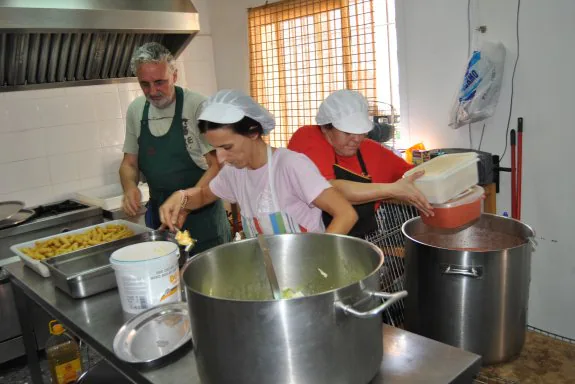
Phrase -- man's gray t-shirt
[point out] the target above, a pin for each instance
(160, 121)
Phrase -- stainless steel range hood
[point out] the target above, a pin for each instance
(58, 43)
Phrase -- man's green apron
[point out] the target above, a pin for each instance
(168, 167)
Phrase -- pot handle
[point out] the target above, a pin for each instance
(390, 298)
(475, 272)
(533, 243)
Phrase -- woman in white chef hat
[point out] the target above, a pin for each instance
(362, 170)
(278, 190)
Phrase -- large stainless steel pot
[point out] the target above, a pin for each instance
(332, 335)
(470, 289)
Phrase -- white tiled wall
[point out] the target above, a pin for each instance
(57, 141)
(197, 62)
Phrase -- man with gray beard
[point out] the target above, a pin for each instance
(164, 144)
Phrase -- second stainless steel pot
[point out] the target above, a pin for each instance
(470, 289)
(332, 335)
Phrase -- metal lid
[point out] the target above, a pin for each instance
(154, 334)
(20, 217)
(10, 208)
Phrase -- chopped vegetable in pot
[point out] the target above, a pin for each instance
(288, 293)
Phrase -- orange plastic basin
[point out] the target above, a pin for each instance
(457, 212)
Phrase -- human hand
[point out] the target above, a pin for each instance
(182, 216)
(405, 190)
(172, 215)
(131, 201)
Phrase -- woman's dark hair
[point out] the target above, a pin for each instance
(327, 126)
(245, 127)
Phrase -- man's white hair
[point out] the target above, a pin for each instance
(152, 53)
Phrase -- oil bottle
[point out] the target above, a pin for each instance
(63, 355)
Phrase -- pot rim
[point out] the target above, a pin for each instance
(194, 258)
(527, 239)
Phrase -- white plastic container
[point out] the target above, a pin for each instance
(446, 176)
(109, 197)
(147, 275)
(43, 270)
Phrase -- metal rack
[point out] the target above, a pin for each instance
(551, 334)
(388, 237)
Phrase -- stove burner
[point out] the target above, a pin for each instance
(57, 208)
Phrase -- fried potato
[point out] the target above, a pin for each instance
(68, 243)
(184, 238)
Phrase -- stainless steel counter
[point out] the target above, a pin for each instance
(119, 214)
(408, 358)
(49, 220)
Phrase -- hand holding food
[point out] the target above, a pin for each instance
(170, 211)
(68, 243)
(182, 216)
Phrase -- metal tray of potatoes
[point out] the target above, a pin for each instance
(35, 263)
(88, 271)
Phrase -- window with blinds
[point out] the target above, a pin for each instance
(302, 50)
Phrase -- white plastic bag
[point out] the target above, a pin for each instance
(478, 95)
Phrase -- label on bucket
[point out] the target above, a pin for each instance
(140, 290)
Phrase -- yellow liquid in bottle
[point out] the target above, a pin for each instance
(64, 360)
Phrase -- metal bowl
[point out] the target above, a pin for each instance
(10, 208)
(18, 218)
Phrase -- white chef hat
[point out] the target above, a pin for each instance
(347, 111)
(229, 106)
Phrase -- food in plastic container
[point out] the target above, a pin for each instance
(147, 275)
(457, 212)
(446, 176)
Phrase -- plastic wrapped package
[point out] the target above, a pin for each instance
(478, 95)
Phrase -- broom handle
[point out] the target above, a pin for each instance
(519, 164)
(513, 175)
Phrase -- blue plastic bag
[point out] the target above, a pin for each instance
(478, 95)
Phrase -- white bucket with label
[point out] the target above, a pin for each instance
(147, 275)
